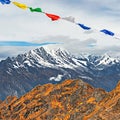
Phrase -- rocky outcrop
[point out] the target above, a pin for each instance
(69, 100)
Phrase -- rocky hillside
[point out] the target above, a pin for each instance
(69, 100)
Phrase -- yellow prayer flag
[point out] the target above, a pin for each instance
(22, 6)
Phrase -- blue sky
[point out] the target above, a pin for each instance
(23, 43)
(17, 24)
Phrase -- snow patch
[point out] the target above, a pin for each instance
(58, 78)
(27, 62)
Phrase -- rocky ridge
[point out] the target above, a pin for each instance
(69, 100)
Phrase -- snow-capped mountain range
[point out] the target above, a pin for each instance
(20, 74)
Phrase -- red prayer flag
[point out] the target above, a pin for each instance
(53, 17)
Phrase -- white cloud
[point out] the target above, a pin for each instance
(17, 24)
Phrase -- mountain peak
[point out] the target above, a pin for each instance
(44, 65)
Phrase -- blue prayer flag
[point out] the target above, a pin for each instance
(5, 1)
(107, 32)
(84, 27)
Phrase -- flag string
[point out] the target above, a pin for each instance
(54, 17)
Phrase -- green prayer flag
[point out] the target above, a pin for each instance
(35, 9)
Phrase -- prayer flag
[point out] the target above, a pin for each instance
(35, 9)
(5, 1)
(70, 19)
(107, 32)
(84, 27)
(20, 5)
(52, 16)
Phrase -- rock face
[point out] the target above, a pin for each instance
(69, 100)
(40, 66)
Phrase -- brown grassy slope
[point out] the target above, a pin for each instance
(108, 108)
(69, 100)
